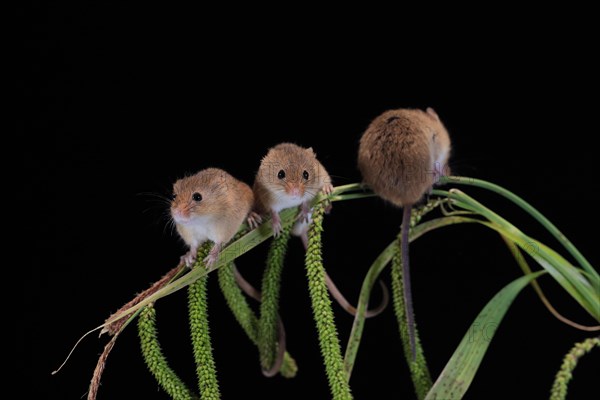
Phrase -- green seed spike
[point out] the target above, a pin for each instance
(154, 358)
(418, 369)
(564, 375)
(245, 316)
(322, 311)
(269, 307)
(198, 314)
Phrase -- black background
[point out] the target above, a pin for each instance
(122, 100)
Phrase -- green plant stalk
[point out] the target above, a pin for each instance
(584, 263)
(322, 311)
(245, 316)
(154, 358)
(228, 254)
(237, 302)
(350, 188)
(376, 268)
(351, 196)
(269, 306)
(199, 329)
(363, 302)
(259, 235)
(418, 368)
(233, 250)
(583, 288)
(564, 375)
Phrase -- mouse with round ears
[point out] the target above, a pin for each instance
(289, 176)
(401, 155)
(209, 205)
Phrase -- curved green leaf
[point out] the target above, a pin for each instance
(530, 210)
(584, 288)
(460, 370)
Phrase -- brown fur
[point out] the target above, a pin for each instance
(398, 152)
(226, 202)
(401, 155)
(294, 160)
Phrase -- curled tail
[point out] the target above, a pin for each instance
(341, 299)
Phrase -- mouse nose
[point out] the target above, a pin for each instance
(295, 191)
(179, 215)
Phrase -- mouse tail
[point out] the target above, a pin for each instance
(407, 292)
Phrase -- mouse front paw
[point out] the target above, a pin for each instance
(254, 219)
(210, 260)
(276, 223)
(305, 213)
(189, 258)
(213, 256)
(277, 229)
(327, 188)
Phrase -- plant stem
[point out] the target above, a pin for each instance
(245, 316)
(322, 311)
(198, 314)
(376, 268)
(116, 326)
(95, 383)
(363, 302)
(154, 358)
(418, 366)
(233, 250)
(269, 306)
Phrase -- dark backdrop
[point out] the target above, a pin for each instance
(123, 100)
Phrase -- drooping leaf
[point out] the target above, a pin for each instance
(457, 375)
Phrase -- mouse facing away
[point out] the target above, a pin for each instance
(209, 205)
(401, 155)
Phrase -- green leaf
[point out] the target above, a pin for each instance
(455, 379)
(530, 210)
(583, 287)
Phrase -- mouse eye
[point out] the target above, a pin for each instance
(281, 174)
(197, 196)
(305, 175)
(173, 196)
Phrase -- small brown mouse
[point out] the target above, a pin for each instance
(401, 155)
(290, 176)
(209, 205)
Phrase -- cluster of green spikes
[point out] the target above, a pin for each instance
(579, 279)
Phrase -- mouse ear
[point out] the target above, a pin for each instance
(311, 151)
(432, 112)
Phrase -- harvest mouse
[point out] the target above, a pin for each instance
(209, 205)
(290, 176)
(401, 155)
